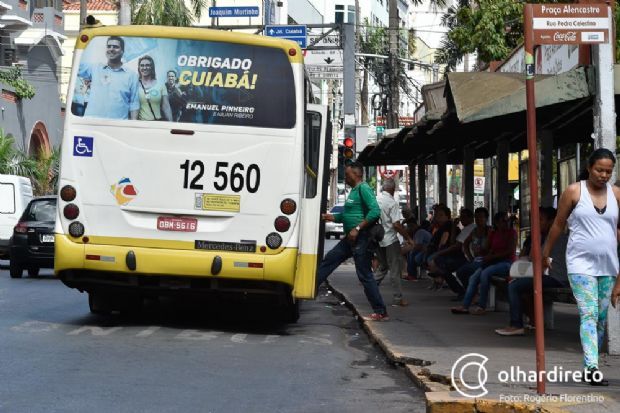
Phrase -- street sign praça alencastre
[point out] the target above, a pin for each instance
(570, 23)
(296, 33)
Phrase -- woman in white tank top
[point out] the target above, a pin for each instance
(590, 207)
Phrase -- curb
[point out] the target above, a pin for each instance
(437, 387)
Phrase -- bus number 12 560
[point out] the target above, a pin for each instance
(223, 176)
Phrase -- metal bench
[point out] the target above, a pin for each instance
(498, 298)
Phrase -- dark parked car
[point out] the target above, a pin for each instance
(32, 243)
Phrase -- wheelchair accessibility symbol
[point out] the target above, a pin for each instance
(82, 146)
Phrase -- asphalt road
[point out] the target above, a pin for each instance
(187, 357)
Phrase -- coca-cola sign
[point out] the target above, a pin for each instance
(565, 37)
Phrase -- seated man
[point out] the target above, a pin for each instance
(520, 288)
(414, 252)
(453, 257)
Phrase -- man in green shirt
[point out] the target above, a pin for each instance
(360, 212)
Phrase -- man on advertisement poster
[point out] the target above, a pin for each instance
(113, 88)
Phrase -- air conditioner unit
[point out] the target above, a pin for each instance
(8, 57)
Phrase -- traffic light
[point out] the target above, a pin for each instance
(349, 145)
(341, 160)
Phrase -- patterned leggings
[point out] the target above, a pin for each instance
(592, 296)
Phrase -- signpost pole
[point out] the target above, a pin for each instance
(534, 213)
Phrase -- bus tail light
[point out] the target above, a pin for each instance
(282, 224)
(288, 206)
(292, 52)
(274, 240)
(76, 229)
(71, 211)
(68, 193)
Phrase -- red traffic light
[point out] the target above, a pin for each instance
(348, 142)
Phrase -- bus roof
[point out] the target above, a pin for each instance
(193, 33)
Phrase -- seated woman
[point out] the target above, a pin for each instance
(502, 245)
(450, 259)
(521, 288)
(475, 247)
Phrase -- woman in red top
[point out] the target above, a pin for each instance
(502, 246)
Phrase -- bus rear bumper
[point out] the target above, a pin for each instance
(90, 266)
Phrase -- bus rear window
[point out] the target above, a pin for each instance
(181, 80)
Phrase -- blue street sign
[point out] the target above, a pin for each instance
(296, 33)
(233, 12)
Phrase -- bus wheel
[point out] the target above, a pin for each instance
(291, 311)
(130, 304)
(99, 303)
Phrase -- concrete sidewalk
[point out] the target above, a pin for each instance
(428, 339)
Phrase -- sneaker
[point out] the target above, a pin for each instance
(510, 331)
(594, 379)
(400, 303)
(477, 311)
(377, 317)
(459, 310)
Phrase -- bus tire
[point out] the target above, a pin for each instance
(99, 304)
(130, 305)
(15, 271)
(291, 311)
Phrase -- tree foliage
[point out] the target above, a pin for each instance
(489, 28)
(166, 12)
(13, 77)
(42, 169)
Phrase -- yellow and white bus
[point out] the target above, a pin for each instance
(192, 162)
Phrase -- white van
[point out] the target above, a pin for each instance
(15, 193)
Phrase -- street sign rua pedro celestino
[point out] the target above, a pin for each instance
(551, 24)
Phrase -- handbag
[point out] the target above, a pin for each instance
(522, 269)
(375, 230)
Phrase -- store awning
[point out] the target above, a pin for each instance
(7, 20)
(32, 37)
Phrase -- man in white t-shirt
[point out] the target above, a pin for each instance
(452, 258)
(388, 253)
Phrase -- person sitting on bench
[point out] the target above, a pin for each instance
(522, 288)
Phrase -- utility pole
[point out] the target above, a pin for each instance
(364, 88)
(124, 13)
(83, 12)
(394, 100)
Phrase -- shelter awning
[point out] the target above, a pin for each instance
(483, 107)
(483, 95)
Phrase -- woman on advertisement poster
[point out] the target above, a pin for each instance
(153, 95)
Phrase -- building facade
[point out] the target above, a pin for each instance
(31, 36)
